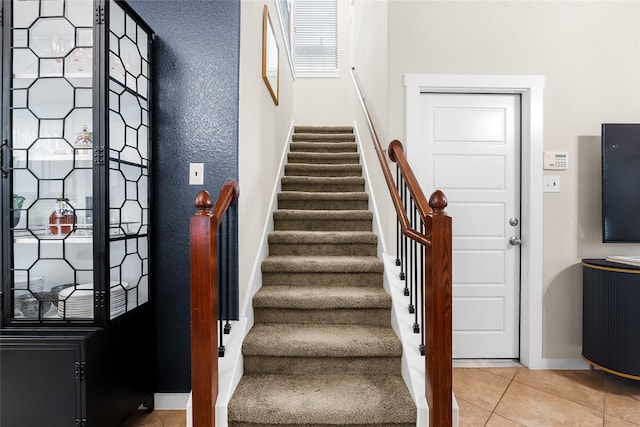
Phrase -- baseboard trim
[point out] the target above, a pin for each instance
(563, 364)
(171, 401)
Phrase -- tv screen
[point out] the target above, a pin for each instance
(621, 182)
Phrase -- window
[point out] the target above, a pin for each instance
(315, 37)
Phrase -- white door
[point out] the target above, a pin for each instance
(472, 153)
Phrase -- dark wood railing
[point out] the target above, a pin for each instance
(205, 349)
(427, 225)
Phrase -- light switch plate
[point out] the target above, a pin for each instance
(551, 184)
(196, 173)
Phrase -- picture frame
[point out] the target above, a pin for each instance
(270, 57)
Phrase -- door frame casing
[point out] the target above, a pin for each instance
(530, 88)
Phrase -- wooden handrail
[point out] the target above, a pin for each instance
(437, 267)
(204, 299)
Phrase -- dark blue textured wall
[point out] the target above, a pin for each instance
(196, 120)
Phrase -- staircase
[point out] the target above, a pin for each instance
(322, 351)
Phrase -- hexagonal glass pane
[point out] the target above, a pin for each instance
(57, 168)
(51, 98)
(131, 173)
(130, 110)
(116, 131)
(131, 269)
(51, 37)
(117, 185)
(80, 12)
(131, 217)
(130, 56)
(25, 13)
(25, 64)
(55, 272)
(130, 154)
(25, 128)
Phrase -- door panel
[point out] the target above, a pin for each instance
(473, 155)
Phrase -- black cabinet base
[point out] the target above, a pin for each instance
(62, 378)
(610, 317)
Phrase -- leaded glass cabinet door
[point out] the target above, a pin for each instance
(76, 114)
(128, 135)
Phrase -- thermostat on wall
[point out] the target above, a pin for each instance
(556, 160)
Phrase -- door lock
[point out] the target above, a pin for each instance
(514, 221)
(515, 241)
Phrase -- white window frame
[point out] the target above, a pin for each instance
(321, 15)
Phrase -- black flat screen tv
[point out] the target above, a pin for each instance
(621, 182)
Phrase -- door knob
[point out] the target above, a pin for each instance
(515, 241)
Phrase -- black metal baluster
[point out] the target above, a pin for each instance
(422, 266)
(398, 227)
(411, 263)
(414, 225)
(403, 276)
(221, 348)
(227, 287)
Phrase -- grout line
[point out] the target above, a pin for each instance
(500, 400)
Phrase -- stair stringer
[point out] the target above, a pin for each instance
(413, 368)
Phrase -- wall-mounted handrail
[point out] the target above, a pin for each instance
(433, 233)
(205, 224)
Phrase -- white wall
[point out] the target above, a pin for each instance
(589, 53)
(328, 101)
(263, 132)
(369, 56)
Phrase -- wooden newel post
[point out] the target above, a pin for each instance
(204, 334)
(438, 303)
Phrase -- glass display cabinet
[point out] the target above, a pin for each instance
(75, 165)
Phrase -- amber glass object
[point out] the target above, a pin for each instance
(61, 220)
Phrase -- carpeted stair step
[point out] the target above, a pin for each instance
(324, 147)
(333, 170)
(322, 352)
(322, 184)
(324, 158)
(323, 129)
(329, 400)
(323, 200)
(369, 347)
(308, 137)
(322, 220)
(283, 270)
(323, 305)
(323, 243)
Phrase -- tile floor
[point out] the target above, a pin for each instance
(497, 397)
